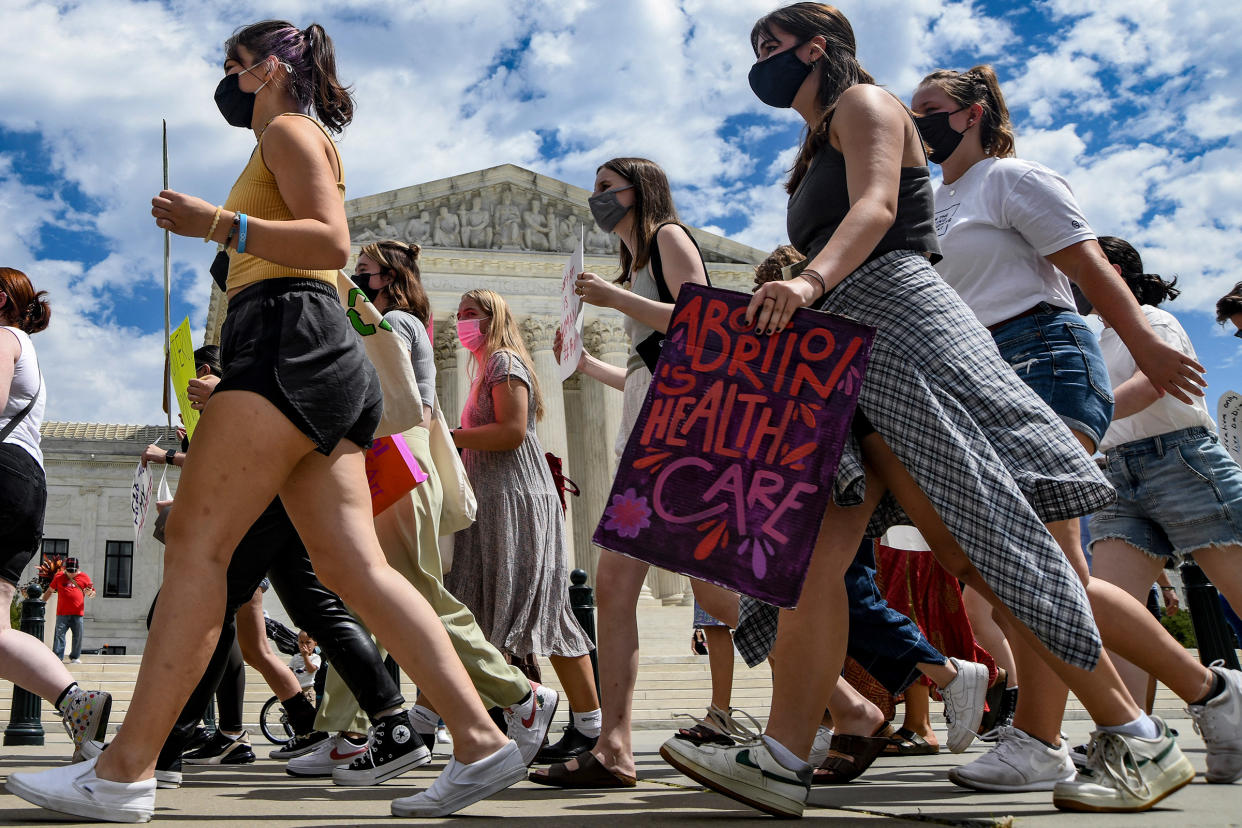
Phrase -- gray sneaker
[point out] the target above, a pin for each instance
(746, 772)
(1125, 773)
(1219, 722)
(1019, 762)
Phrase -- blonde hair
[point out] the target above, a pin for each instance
(979, 85)
(503, 335)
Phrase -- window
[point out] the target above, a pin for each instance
(118, 569)
(55, 549)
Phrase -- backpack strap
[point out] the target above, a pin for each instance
(657, 266)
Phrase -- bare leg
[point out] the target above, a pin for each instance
(720, 662)
(578, 679)
(918, 712)
(1124, 566)
(25, 660)
(989, 634)
(853, 713)
(252, 638)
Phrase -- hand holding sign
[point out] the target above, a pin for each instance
(181, 363)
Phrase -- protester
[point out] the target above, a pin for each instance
(24, 660)
(1177, 492)
(297, 406)
(1013, 239)
(511, 566)
(72, 587)
(305, 664)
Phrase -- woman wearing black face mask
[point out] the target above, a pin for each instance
(937, 441)
(297, 405)
(1011, 233)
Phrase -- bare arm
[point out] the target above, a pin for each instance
(680, 262)
(10, 350)
(607, 373)
(299, 156)
(509, 400)
(1134, 395)
(870, 126)
(1167, 367)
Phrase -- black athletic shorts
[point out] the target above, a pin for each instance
(23, 497)
(289, 341)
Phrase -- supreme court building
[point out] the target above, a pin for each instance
(504, 228)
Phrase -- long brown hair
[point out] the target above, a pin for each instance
(25, 308)
(979, 85)
(653, 206)
(312, 57)
(400, 261)
(503, 335)
(838, 67)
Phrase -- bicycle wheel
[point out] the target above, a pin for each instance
(274, 722)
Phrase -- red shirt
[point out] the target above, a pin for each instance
(70, 592)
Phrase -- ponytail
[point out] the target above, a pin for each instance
(25, 309)
(1148, 288)
(334, 103)
(979, 85)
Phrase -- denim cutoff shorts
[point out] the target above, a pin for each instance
(1176, 493)
(1058, 356)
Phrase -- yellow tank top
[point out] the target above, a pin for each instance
(255, 193)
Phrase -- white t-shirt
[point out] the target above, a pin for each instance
(26, 384)
(1167, 413)
(996, 224)
(298, 665)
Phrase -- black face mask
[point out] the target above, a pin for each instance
(776, 80)
(941, 139)
(236, 105)
(607, 209)
(363, 281)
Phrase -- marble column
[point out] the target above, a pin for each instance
(446, 347)
(537, 332)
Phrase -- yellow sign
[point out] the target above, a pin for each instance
(181, 359)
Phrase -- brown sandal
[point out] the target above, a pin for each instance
(849, 756)
(908, 743)
(590, 773)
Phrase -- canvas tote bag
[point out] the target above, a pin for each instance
(460, 506)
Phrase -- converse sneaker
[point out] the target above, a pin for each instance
(1125, 773)
(394, 748)
(459, 785)
(76, 790)
(746, 772)
(168, 774)
(84, 713)
(963, 703)
(1219, 722)
(821, 746)
(222, 749)
(299, 745)
(1018, 762)
(332, 753)
(527, 722)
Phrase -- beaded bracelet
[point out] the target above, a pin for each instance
(214, 221)
(241, 233)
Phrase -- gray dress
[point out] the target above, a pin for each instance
(511, 568)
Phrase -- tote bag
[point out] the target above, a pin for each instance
(403, 406)
(459, 506)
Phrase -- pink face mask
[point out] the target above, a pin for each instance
(468, 333)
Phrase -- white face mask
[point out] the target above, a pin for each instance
(469, 333)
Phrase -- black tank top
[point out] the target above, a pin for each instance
(819, 204)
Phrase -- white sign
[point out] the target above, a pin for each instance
(571, 314)
(140, 498)
(1229, 423)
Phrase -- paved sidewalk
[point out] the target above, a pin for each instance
(894, 792)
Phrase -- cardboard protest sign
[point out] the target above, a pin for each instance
(392, 471)
(1229, 423)
(571, 315)
(729, 468)
(181, 362)
(140, 498)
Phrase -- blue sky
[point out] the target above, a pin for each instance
(1135, 102)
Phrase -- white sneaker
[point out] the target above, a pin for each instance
(528, 723)
(1219, 722)
(460, 785)
(821, 746)
(334, 753)
(74, 789)
(1125, 773)
(75, 661)
(1018, 762)
(746, 772)
(963, 703)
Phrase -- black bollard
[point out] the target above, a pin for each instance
(582, 603)
(25, 725)
(1211, 630)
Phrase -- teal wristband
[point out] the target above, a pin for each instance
(241, 233)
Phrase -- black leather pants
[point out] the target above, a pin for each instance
(273, 549)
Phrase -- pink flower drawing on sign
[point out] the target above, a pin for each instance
(628, 515)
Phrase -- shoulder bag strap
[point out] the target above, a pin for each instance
(21, 415)
(657, 266)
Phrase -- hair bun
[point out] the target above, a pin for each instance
(37, 314)
(414, 249)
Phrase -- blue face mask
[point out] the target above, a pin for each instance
(777, 79)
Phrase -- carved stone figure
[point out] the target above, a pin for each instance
(536, 233)
(567, 232)
(507, 226)
(447, 232)
(476, 229)
(379, 233)
(418, 230)
(597, 241)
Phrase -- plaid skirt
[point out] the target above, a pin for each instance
(990, 455)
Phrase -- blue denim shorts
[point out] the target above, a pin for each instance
(1176, 493)
(1058, 356)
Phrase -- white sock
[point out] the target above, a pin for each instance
(1143, 727)
(589, 724)
(423, 719)
(783, 755)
